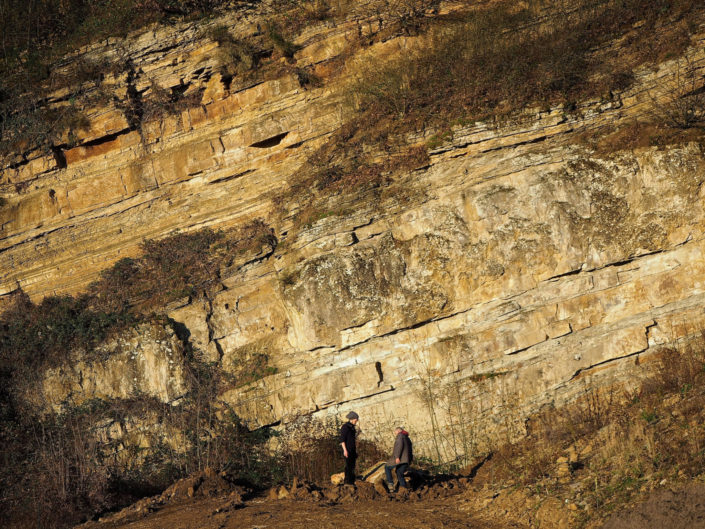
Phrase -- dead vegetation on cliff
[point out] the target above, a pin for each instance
(488, 63)
(183, 266)
(176, 267)
(612, 447)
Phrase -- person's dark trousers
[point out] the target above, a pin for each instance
(350, 469)
(401, 468)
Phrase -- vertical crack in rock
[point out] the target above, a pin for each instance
(211, 330)
(133, 108)
(59, 157)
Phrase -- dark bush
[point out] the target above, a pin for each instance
(280, 41)
(37, 335)
(236, 56)
(175, 267)
(311, 450)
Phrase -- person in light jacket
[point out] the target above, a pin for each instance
(402, 456)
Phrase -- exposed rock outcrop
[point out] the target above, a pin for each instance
(146, 362)
(517, 269)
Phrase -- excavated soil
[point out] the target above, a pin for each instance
(288, 514)
(682, 509)
(208, 501)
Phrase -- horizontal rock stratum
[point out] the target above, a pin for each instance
(518, 268)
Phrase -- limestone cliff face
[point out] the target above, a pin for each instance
(147, 362)
(518, 269)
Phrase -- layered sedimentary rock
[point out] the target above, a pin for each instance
(454, 311)
(518, 269)
(144, 363)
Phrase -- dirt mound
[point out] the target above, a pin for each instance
(681, 509)
(423, 487)
(221, 497)
(206, 484)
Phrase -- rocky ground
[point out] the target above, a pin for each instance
(208, 501)
(677, 509)
(212, 514)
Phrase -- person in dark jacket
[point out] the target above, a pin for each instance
(402, 456)
(347, 441)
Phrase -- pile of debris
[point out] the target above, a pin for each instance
(371, 486)
(205, 484)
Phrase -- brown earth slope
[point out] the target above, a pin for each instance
(680, 508)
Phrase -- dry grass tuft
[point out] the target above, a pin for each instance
(310, 449)
(489, 62)
(614, 446)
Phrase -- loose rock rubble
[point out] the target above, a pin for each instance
(206, 484)
(423, 486)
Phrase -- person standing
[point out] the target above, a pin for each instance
(402, 456)
(347, 441)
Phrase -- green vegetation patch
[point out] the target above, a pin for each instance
(32, 335)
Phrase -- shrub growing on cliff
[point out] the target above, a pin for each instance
(280, 41)
(680, 102)
(26, 125)
(35, 335)
(175, 267)
(53, 474)
(236, 56)
(162, 102)
(492, 61)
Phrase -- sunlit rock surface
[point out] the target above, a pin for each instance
(518, 269)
